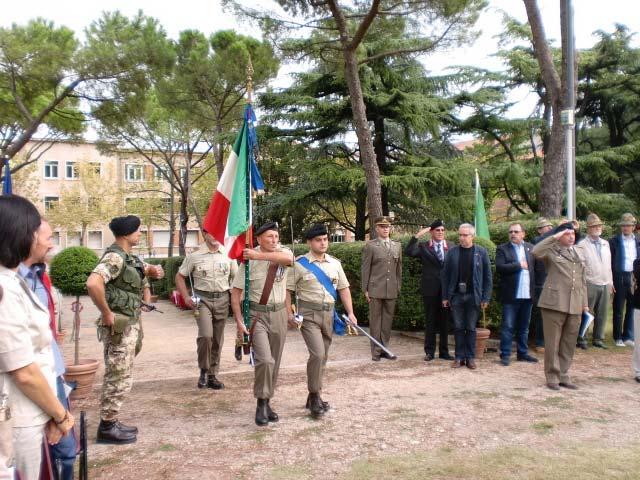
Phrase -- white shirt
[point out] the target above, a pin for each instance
(25, 338)
(524, 291)
(630, 251)
(597, 268)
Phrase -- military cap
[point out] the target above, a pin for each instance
(383, 221)
(123, 226)
(564, 226)
(627, 219)
(593, 220)
(436, 223)
(267, 226)
(543, 222)
(314, 231)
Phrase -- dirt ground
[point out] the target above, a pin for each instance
(386, 417)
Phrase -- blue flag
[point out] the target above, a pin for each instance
(6, 184)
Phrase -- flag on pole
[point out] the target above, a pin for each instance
(229, 216)
(6, 183)
(480, 216)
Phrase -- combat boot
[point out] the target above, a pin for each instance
(325, 405)
(262, 418)
(271, 415)
(315, 405)
(109, 432)
(202, 381)
(213, 382)
(127, 428)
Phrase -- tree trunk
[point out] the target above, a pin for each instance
(380, 149)
(172, 221)
(218, 151)
(184, 207)
(361, 215)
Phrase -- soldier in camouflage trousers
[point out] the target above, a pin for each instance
(118, 286)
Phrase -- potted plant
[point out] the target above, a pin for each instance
(69, 272)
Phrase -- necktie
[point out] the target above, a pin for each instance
(386, 244)
(598, 247)
(439, 252)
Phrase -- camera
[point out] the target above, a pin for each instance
(462, 287)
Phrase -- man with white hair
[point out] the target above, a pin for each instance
(466, 288)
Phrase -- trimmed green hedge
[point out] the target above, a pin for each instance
(500, 231)
(70, 269)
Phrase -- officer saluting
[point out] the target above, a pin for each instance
(268, 267)
(317, 280)
(117, 287)
(212, 273)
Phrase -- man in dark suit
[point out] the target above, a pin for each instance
(625, 248)
(466, 288)
(436, 318)
(514, 264)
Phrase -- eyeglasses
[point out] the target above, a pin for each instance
(515, 231)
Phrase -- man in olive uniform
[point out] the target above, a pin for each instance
(212, 273)
(381, 281)
(117, 287)
(317, 305)
(268, 268)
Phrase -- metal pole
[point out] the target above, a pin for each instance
(568, 114)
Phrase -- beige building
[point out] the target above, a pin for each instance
(57, 169)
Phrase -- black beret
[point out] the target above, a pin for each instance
(122, 226)
(267, 226)
(436, 223)
(315, 231)
(564, 226)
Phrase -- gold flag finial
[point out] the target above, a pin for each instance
(249, 80)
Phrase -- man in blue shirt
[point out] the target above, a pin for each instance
(515, 265)
(63, 454)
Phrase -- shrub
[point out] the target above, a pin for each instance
(167, 284)
(70, 269)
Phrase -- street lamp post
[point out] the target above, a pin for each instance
(567, 115)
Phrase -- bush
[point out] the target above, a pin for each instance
(70, 269)
(500, 231)
(167, 284)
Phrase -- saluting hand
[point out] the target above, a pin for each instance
(422, 232)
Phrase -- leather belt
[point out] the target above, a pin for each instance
(274, 307)
(320, 307)
(209, 295)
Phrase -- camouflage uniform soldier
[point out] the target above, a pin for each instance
(117, 286)
(211, 272)
(268, 313)
(317, 306)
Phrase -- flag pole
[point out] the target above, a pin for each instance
(249, 218)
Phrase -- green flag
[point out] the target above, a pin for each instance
(480, 216)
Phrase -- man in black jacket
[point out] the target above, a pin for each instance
(432, 255)
(514, 264)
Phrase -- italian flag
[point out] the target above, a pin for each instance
(228, 218)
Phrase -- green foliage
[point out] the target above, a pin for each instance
(70, 269)
(167, 284)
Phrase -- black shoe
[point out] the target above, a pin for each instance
(445, 356)
(583, 346)
(262, 418)
(315, 405)
(505, 361)
(271, 415)
(202, 380)
(238, 353)
(429, 357)
(527, 358)
(325, 405)
(553, 386)
(568, 385)
(110, 432)
(638, 379)
(388, 356)
(600, 344)
(127, 428)
(375, 358)
(213, 382)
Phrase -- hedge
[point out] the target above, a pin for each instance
(70, 269)
(500, 231)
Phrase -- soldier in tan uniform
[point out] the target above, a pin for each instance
(316, 306)
(562, 301)
(381, 281)
(268, 264)
(212, 273)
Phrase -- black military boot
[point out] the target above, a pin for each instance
(271, 415)
(315, 405)
(109, 432)
(238, 353)
(127, 428)
(202, 381)
(325, 405)
(262, 418)
(213, 382)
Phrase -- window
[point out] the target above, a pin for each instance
(94, 239)
(337, 236)
(97, 168)
(134, 172)
(55, 239)
(159, 173)
(50, 202)
(71, 171)
(73, 239)
(51, 169)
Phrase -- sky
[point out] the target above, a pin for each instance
(208, 17)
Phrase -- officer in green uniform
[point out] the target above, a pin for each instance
(117, 287)
(316, 306)
(268, 313)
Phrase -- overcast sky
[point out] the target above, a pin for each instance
(207, 16)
